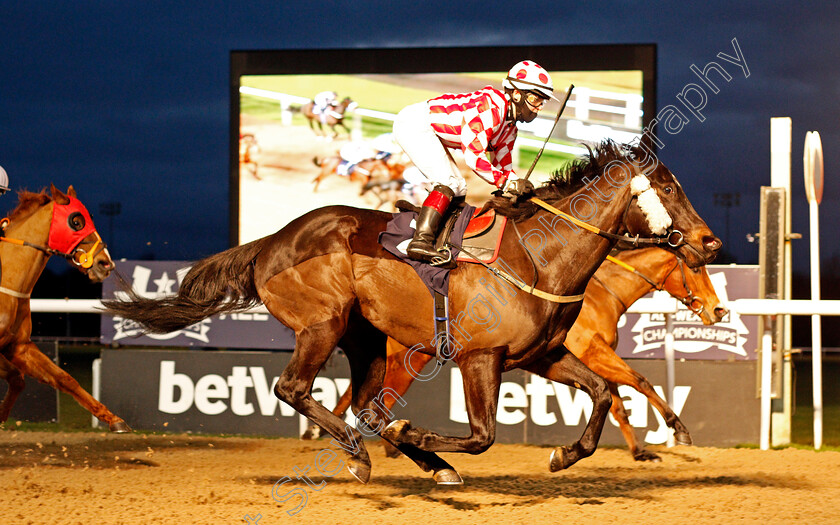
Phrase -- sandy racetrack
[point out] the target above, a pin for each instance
(86, 478)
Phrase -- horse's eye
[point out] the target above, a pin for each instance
(76, 221)
(668, 190)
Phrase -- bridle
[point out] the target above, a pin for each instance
(689, 300)
(673, 238)
(79, 256)
(75, 254)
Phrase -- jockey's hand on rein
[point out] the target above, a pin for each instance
(519, 187)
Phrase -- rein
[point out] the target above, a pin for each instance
(687, 301)
(634, 241)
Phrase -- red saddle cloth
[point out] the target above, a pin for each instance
(483, 237)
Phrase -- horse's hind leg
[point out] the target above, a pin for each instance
(33, 363)
(365, 349)
(482, 375)
(14, 377)
(314, 345)
(562, 366)
(397, 379)
(614, 369)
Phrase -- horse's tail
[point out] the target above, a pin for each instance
(221, 283)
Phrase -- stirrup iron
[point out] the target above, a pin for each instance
(440, 260)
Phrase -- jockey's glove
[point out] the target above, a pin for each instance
(519, 187)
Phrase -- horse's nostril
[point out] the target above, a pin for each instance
(712, 243)
(721, 312)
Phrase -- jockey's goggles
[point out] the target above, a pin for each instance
(534, 100)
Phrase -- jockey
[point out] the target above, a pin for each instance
(353, 153)
(4, 181)
(482, 125)
(323, 102)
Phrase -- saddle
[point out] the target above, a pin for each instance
(482, 237)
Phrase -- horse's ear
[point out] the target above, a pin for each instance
(58, 196)
(71, 191)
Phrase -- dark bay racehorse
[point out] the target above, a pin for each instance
(326, 277)
(617, 284)
(333, 117)
(40, 226)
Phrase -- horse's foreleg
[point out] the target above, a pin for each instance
(32, 362)
(14, 377)
(398, 378)
(614, 369)
(638, 452)
(562, 366)
(482, 376)
(313, 346)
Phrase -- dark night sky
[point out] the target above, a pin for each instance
(129, 101)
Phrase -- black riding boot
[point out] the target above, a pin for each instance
(422, 246)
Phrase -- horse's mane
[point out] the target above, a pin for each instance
(569, 179)
(28, 202)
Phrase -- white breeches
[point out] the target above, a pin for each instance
(414, 134)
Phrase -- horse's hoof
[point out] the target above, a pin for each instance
(558, 460)
(682, 438)
(646, 455)
(447, 476)
(395, 429)
(313, 432)
(359, 470)
(119, 427)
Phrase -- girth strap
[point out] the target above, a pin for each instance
(442, 327)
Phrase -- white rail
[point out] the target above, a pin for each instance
(666, 305)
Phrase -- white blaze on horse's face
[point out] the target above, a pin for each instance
(657, 216)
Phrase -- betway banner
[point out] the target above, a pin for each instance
(155, 279)
(232, 392)
(643, 336)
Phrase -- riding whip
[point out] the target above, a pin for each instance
(556, 120)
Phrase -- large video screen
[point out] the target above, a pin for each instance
(311, 128)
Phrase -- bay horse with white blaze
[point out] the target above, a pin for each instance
(326, 276)
(618, 283)
(41, 226)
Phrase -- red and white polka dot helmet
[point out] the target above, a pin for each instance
(529, 76)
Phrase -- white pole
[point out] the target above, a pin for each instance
(669, 368)
(96, 368)
(816, 325)
(766, 372)
(780, 161)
